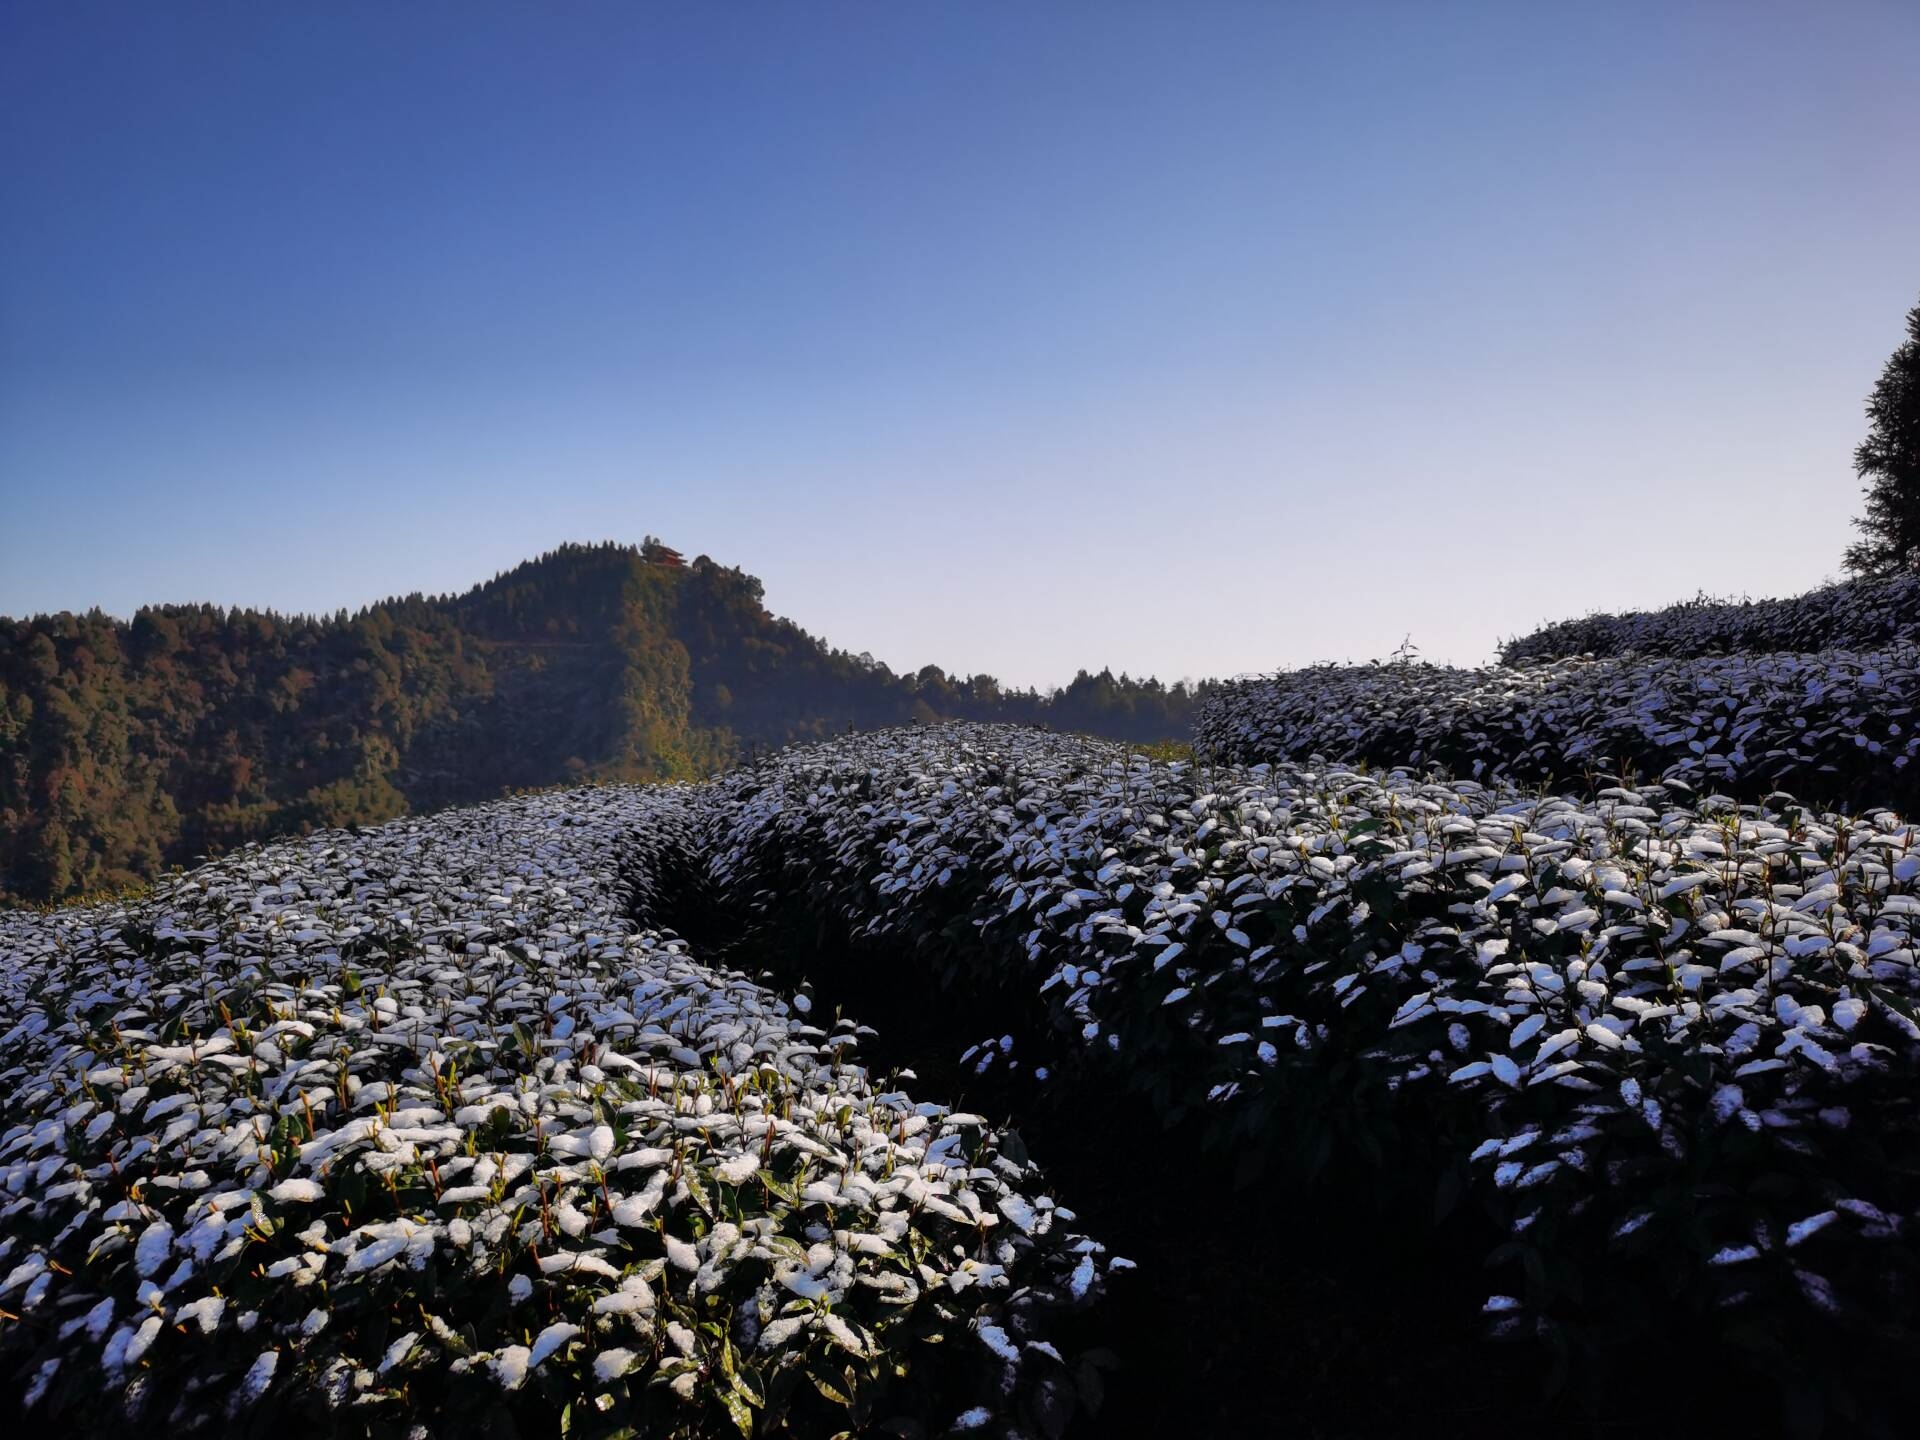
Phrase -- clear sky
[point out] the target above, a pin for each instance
(1188, 338)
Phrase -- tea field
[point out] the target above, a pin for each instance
(1434, 1052)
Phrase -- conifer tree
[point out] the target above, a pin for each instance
(1889, 461)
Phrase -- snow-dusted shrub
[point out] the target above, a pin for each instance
(414, 1125)
(1853, 615)
(1671, 1042)
(1837, 728)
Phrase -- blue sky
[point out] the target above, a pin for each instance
(1183, 338)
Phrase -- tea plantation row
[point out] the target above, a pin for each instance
(1837, 728)
(1673, 1041)
(362, 1131)
(1861, 614)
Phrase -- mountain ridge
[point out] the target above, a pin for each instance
(130, 745)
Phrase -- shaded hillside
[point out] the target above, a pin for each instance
(127, 746)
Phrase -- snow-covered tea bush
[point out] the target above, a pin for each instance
(1671, 1042)
(1837, 728)
(414, 1125)
(1854, 615)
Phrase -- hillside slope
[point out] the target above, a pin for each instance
(128, 746)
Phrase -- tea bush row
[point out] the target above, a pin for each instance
(1835, 728)
(1853, 615)
(1672, 1042)
(411, 1128)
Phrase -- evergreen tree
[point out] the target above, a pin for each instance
(1889, 460)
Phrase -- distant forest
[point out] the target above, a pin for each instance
(126, 747)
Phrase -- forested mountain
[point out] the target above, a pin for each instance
(128, 746)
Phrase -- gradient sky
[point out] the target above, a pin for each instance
(1185, 338)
